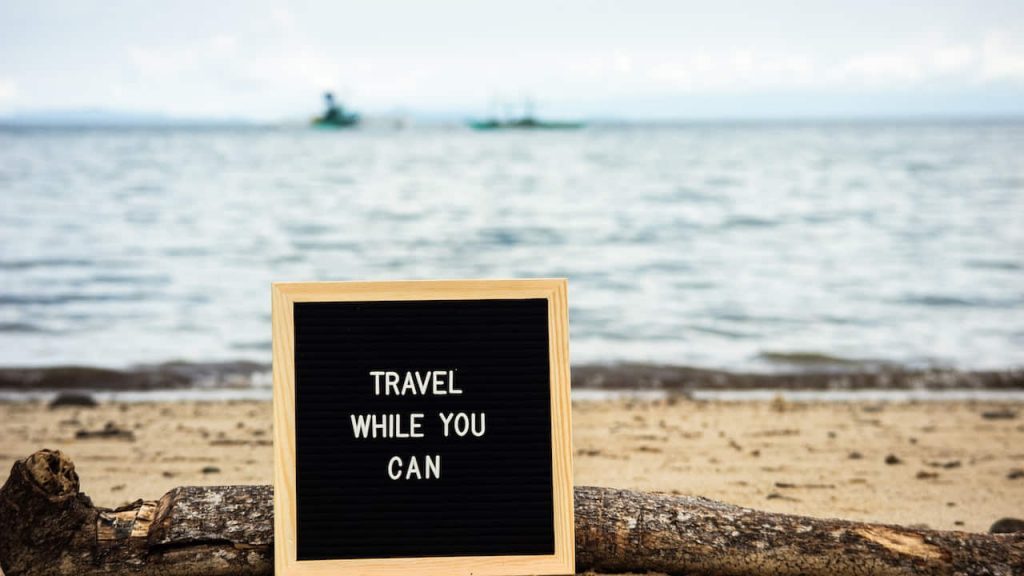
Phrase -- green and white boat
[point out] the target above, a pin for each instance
(334, 116)
(524, 121)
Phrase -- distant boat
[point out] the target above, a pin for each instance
(525, 121)
(335, 115)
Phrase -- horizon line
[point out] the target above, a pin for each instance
(112, 118)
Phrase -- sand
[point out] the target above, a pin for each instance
(951, 467)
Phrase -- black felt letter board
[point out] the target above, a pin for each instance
(493, 495)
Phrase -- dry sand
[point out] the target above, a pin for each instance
(955, 470)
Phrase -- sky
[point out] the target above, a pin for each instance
(268, 60)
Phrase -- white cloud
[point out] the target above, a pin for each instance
(1002, 57)
(993, 58)
(302, 66)
(742, 69)
(881, 68)
(954, 59)
(8, 91)
(737, 69)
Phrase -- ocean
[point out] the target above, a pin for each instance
(742, 246)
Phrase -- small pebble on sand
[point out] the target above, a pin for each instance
(1007, 526)
(109, 430)
(1000, 414)
(74, 399)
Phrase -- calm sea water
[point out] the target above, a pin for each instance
(713, 245)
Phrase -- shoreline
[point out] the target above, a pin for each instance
(815, 377)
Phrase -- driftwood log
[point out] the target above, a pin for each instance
(48, 527)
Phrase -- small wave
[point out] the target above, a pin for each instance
(45, 263)
(141, 189)
(681, 195)
(814, 359)
(922, 167)
(638, 237)
(325, 245)
(693, 284)
(287, 258)
(309, 229)
(945, 301)
(748, 222)
(130, 279)
(722, 181)
(824, 217)
(61, 299)
(847, 320)
(694, 195)
(519, 236)
(734, 334)
(664, 266)
(186, 251)
(257, 345)
(1008, 182)
(993, 264)
(21, 327)
(738, 316)
(394, 216)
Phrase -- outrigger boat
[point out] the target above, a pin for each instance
(526, 121)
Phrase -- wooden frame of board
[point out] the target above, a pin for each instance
(285, 295)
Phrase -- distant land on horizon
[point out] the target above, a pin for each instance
(99, 117)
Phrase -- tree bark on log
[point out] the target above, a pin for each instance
(48, 527)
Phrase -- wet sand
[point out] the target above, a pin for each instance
(941, 464)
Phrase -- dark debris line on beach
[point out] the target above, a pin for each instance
(178, 375)
(171, 375)
(682, 379)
